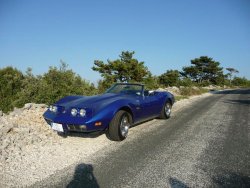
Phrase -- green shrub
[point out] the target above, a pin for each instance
(186, 82)
(241, 82)
(170, 78)
(10, 85)
(18, 89)
(189, 91)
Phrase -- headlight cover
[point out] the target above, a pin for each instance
(50, 108)
(73, 112)
(53, 108)
(82, 112)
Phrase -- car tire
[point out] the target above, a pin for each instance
(119, 126)
(166, 110)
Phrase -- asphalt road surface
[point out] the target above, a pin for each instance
(204, 145)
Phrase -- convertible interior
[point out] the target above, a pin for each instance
(148, 93)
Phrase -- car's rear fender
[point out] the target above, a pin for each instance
(166, 97)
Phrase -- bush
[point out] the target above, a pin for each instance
(18, 88)
(189, 91)
(10, 85)
(151, 82)
(186, 82)
(170, 78)
(241, 82)
(30, 88)
(58, 83)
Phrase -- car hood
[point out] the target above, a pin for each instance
(92, 101)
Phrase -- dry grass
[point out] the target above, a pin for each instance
(190, 91)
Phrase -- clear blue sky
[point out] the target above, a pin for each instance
(165, 34)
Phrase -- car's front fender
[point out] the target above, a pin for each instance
(106, 112)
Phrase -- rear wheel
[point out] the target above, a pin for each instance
(166, 110)
(119, 126)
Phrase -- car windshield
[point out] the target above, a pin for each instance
(130, 89)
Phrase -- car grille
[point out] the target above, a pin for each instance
(76, 128)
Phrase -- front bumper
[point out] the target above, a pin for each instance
(72, 124)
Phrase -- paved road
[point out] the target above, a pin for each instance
(204, 145)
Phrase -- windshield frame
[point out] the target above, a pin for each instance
(127, 84)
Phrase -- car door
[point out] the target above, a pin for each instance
(149, 106)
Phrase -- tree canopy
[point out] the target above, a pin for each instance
(203, 69)
(231, 72)
(242, 82)
(170, 78)
(124, 69)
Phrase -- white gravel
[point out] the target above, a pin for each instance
(30, 151)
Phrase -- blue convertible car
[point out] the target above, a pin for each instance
(120, 107)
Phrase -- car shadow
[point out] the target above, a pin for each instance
(232, 91)
(83, 177)
(175, 183)
(141, 123)
(223, 180)
(231, 180)
(82, 135)
(243, 102)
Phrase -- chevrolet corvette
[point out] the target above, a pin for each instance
(115, 111)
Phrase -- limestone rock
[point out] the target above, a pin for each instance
(23, 127)
(40, 106)
(27, 106)
(174, 90)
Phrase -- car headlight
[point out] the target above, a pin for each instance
(53, 108)
(50, 108)
(74, 112)
(82, 112)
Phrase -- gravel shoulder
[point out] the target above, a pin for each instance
(31, 152)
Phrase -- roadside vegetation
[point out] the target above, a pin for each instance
(18, 88)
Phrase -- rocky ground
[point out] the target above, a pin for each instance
(31, 151)
(22, 128)
(176, 91)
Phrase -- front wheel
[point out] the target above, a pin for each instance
(119, 126)
(166, 110)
